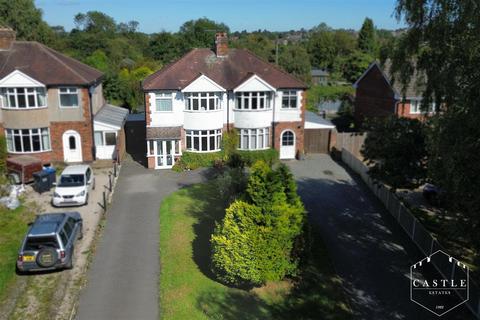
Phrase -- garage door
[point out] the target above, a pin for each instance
(317, 140)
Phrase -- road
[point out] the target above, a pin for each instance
(369, 252)
(123, 278)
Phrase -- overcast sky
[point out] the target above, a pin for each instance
(273, 15)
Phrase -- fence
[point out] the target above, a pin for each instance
(351, 141)
(410, 224)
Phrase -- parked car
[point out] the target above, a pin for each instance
(50, 241)
(74, 186)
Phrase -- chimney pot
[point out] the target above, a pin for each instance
(221, 42)
(7, 37)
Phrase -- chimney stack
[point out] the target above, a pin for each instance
(7, 37)
(221, 42)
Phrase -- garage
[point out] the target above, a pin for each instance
(317, 133)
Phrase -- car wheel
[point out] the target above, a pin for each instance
(47, 257)
(69, 265)
(80, 233)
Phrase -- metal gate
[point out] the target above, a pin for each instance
(317, 140)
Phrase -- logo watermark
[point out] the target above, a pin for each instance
(439, 283)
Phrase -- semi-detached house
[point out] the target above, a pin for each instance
(192, 102)
(52, 106)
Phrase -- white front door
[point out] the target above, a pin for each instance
(72, 146)
(287, 145)
(165, 152)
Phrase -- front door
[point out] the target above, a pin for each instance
(287, 145)
(165, 153)
(72, 146)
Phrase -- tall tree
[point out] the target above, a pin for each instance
(200, 33)
(443, 43)
(26, 20)
(294, 59)
(367, 38)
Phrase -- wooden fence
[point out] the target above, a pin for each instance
(351, 141)
(410, 224)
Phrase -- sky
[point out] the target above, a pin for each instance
(250, 15)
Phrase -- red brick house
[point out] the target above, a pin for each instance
(193, 101)
(379, 95)
(49, 104)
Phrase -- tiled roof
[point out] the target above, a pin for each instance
(112, 115)
(46, 65)
(164, 133)
(228, 71)
(414, 87)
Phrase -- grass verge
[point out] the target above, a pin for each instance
(13, 225)
(188, 289)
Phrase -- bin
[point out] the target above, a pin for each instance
(52, 174)
(41, 181)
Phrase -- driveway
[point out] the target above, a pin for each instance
(123, 278)
(368, 250)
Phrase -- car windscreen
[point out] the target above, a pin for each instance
(37, 243)
(71, 180)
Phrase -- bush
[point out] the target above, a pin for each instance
(194, 160)
(229, 143)
(258, 240)
(270, 156)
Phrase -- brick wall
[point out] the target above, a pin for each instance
(403, 110)
(374, 97)
(148, 118)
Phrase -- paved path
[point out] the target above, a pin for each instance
(123, 278)
(368, 250)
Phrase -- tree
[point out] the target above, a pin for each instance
(165, 47)
(200, 33)
(355, 65)
(294, 59)
(255, 241)
(259, 44)
(95, 22)
(321, 47)
(366, 37)
(396, 149)
(23, 17)
(443, 44)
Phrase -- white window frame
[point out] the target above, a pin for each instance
(70, 91)
(10, 135)
(418, 107)
(6, 93)
(190, 97)
(290, 95)
(243, 100)
(164, 95)
(258, 134)
(104, 138)
(193, 134)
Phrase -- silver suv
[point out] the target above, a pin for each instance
(49, 243)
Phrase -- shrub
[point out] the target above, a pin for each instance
(3, 155)
(258, 240)
(270, 156)
(231, 183)
(229, 143)
(194, 160)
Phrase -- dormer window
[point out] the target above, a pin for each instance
(205, 101)
(252, 100)
(24, 98)
(68, 97)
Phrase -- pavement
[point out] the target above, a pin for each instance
(368, 250)
(123, 278)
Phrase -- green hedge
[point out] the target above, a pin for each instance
(194, 160)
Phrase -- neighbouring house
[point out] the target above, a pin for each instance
(320, 77)
(193, 101)
(52, 106)
(378, 94)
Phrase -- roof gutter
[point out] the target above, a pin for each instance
(91, 90)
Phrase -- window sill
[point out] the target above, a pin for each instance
(252, 110)
(153, 112)
(28, 152)
(202, 111)
(73, 107)
(258, 149)
(197, 151)
(24, 109)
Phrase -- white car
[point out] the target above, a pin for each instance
(74, 186)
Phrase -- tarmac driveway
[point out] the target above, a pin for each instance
(123, 278)
(368, 250)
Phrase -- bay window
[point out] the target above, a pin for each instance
(24, 98)
(202, 101)
(203, 140)
(28, 140)
(254, 139)
(68, 97)
(163, 101)
(289, 99)
(252, 100)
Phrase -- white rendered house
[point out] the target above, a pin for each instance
(192, 102)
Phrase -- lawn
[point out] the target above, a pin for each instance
(13, 225)
(188, 289)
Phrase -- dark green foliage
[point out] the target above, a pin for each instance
(356, 64)
(317, 94)
(367, 38)
(295, 60)
(443, 43)
(231, 183)
(195, 160)
(258, 240)
(396, 149)
(200, 33)
(269, 156)
(229, 143)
